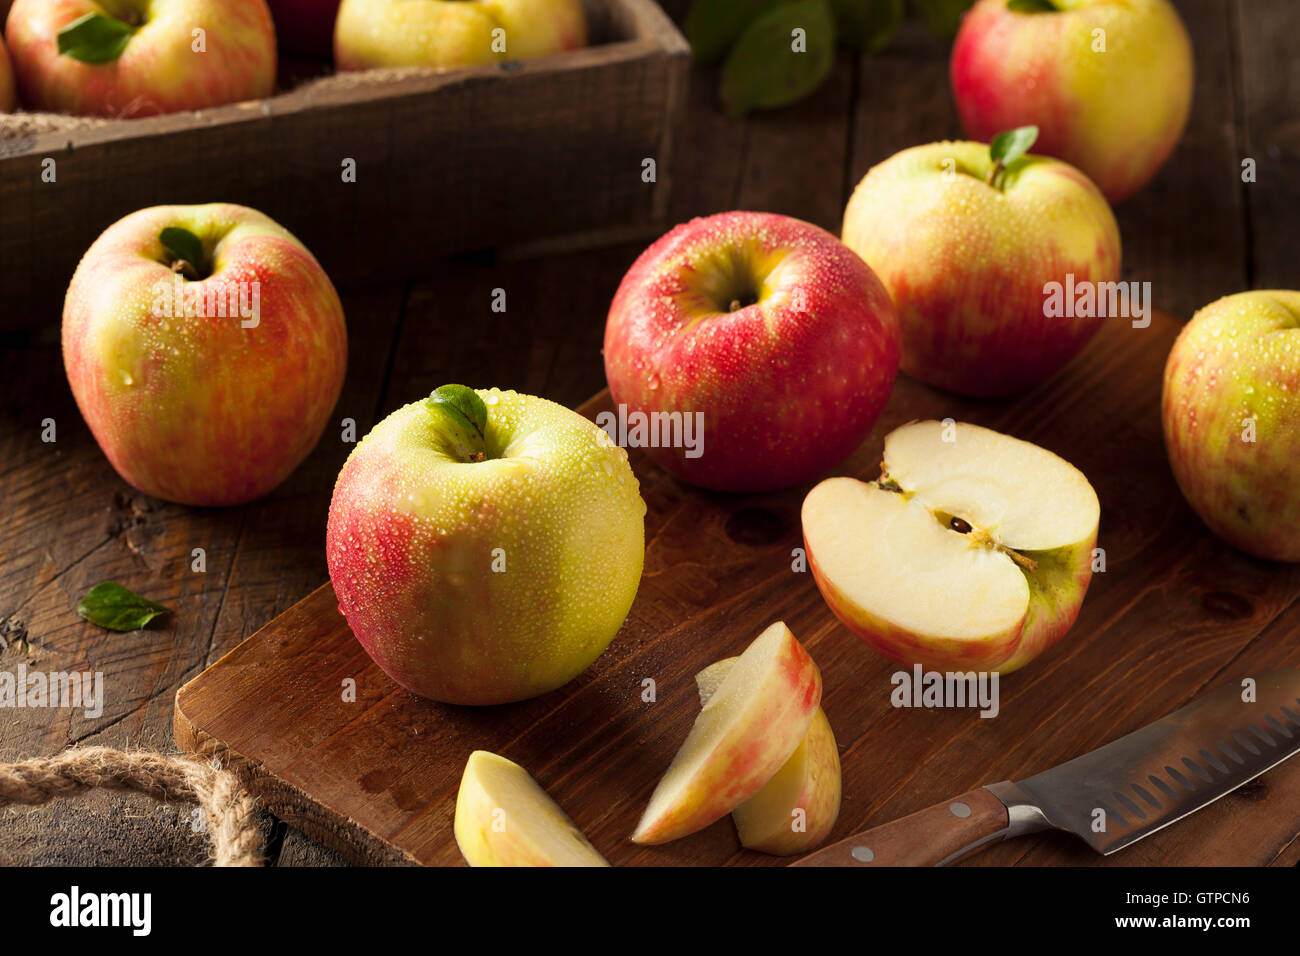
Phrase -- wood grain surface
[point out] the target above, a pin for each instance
(67, 521)
(1174, 612)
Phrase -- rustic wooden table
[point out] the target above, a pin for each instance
(67, 521)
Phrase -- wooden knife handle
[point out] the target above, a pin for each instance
(936, 835)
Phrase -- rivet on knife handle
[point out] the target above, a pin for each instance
(936, 835)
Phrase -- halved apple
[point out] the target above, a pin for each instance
(503, 818)
(971, 551)
(750, 726)
(796, 810)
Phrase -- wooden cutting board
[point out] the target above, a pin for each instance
(1175, 612)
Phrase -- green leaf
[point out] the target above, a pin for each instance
(183, 245)
(1032, 6)
(1010, 145)
(764, 70)
(712, 26)
(95, 38)
(942, 16)
(112, 606)
(867, 25)
(463, 404)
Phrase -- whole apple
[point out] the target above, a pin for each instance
(140, 57)
(446, 34)
(305, 26)
(967, 256)
(485, 546)
(7, 98)
(206, 349)
(753, 350)
(1107, 82)
(1231, 414)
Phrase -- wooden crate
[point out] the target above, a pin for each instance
(533, 153)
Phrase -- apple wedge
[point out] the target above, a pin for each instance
(796, 810)
(503, 818)
(971, 551)
(752, 723)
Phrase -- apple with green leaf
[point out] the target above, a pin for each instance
(485, 546)
(972, 551)
(134, 58)
(503, 818)
(448, 34)
(1107, 82)
(768, 331)
(1231, 416)
(966, 238)
(206, 349)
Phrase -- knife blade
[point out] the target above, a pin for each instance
(1110, 797)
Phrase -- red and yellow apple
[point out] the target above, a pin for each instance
(967, 254)
(971, 551)
(1107, 82)
(1231, 414)
(769, 332)
(485, 546)
(305, 26)
(133, 58)
(447, 34)
(206, 376)
(796, 810)
(747, 730)
(503, 818)
(8, 100)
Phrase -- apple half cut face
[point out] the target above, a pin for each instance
(503, 818)
(972, 550)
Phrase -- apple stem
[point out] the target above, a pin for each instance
(186, 269)
(994, 172)
(1028, 564)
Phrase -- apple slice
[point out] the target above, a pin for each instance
(972, 550)
(744, 734)
(503, 818)
(796, 810)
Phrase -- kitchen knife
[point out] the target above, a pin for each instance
(1110, 797)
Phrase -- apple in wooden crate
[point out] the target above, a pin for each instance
(768, 331)
(8, 99)
(206, 349)
(503, 818)
(972, 551)
(140, 57)
(1231, 415)
(305, 26)
(796, 809)
(966, 238)
(747, 730)
(1107, 82)
(485, 546)
(446, 34)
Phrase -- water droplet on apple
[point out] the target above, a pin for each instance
(654, 381)
(127, 379)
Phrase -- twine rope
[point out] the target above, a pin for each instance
(228, 810)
